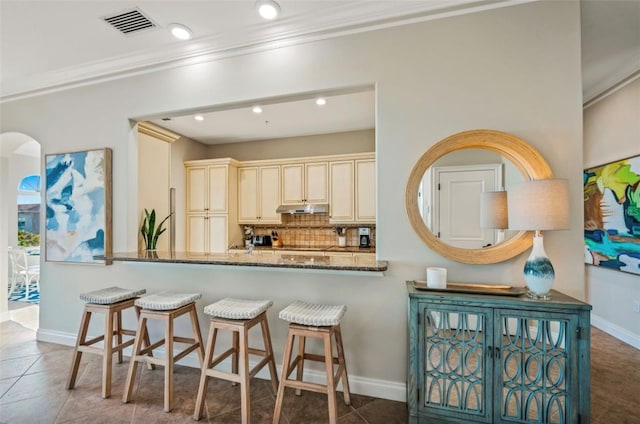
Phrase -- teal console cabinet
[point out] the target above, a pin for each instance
(476, 358)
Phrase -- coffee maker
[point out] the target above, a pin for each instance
(365, 234)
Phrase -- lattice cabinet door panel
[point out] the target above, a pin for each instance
(535, 376)
(455, 373)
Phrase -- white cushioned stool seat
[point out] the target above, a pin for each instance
(304, 313)
(110, 295)
(165, 301)
(237, 308)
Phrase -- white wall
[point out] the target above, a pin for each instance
(498, 69)
(612, 132)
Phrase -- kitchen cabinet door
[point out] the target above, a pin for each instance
(248, 195)
(293, 184)
(197, 200)
(196, 233)
(269, 194)
(316, 182)
(217, 233)
(341, 189)
(365, 191)
(218, 183)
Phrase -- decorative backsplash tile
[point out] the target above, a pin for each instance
(313, 230)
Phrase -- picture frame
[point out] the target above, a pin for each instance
(78, 189)
(612, 215)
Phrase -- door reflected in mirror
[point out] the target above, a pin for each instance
(450, 191)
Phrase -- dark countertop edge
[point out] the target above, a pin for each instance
(380, 267)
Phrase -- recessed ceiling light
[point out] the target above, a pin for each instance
(257, 109)
(181, 32)
(321, 101)
(199, 118)
(268, 9)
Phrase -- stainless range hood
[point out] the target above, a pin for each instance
(307, 208)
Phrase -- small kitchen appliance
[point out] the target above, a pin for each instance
(261, 240)
(364, 233)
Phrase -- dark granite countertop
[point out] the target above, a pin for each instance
(351, 249)
(337, 263)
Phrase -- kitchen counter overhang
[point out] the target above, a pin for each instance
(335, 263)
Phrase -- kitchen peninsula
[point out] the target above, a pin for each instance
(363, 263)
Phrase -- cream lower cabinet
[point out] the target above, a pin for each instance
(305, 183)
(207, 233)
(259, 195)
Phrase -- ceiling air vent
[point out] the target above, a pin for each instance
(130, 21)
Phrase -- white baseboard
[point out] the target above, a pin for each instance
(5, 316)
(616, 331)
(359, 385)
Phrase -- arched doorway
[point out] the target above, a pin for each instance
(20, 163)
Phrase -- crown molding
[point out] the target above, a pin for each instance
(157, 132)
(346, 19)
(611, 84)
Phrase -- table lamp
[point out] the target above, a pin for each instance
(539, 205)
(493, 212)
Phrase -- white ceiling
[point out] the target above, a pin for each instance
(54, 45)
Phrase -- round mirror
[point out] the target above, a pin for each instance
(501, 159)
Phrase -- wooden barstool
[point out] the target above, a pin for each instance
(237, 316)
(111, 302)
(164, 306)
(321, 322)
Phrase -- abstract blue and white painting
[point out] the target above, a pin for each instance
(78, 206)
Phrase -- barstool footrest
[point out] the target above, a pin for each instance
(187, 351)
(305, 385)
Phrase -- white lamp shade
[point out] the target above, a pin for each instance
(493, 210)
(539, 205)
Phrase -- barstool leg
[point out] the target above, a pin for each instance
(133, 366)
(107, 358)
(77, 355)
(245, 407)
(234, 356)
(331, 388)
(266, 337)
(302, 341)
(197, 335)
(204, 378)
(168, 366)
(118, 330)
(283, 377)
(145, 338)
(342, 363)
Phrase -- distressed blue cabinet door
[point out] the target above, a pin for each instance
(454, 381)
(536, 372)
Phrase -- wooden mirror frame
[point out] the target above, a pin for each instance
(530, 163)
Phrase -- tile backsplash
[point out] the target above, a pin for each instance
(313, 230)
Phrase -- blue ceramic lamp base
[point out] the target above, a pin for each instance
(538, 271)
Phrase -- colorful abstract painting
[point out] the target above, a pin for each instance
(612, 215)
(78, 206)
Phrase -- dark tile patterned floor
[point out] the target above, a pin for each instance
(33, 376)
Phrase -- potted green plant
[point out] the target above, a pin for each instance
(150, 232)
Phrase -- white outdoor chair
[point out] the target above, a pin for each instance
(22, 272)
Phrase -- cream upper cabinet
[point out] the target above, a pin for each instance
(365, 185)
(342, 191)
(305, 183)
(207, 189)
(259, 195)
